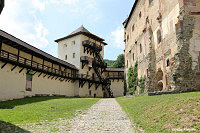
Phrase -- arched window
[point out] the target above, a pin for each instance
(159, 36)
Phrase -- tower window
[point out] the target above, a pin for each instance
(73, 42)
(73, 55)
(65, 57)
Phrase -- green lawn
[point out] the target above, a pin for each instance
(39, 109)
(164, 113)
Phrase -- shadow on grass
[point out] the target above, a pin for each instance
(12, 103)
(10, 128)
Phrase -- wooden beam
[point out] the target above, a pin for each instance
(97, 86)
(13, 68)
(45, 75)
(28, 71)
(21, 70)
(34, 73)
(39, 74)
(1, 42)
(31, 60)
(90, 85)
(83, 83)
(43, 64)
(4, 65)
(18, 53)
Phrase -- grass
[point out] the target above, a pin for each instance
(164, 113)
(39, 109)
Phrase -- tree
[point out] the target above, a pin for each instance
(119, 63)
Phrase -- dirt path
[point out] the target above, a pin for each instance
(104, 117)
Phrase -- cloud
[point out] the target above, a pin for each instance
(23, 23)
(39, 4)
(118, 37)
(70, 2)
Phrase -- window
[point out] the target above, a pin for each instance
(29, 78)
(168, 62)
(73, 42)
(65, 57)
(127, 38)
(159, 36)
(133, 28)
(127, 63)
(140, 15)
(65, 45)
(73, 55)
(150, 1)
(90, 92)
(140, 48)
(133, 57)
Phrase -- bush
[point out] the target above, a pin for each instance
(141, 84)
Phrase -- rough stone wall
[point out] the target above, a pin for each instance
(172, 64)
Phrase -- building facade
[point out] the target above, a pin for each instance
(26, 71)
(163, 37)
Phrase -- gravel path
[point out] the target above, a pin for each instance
(104, 117)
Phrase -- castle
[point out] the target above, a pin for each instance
(163, 37)
(79, 70)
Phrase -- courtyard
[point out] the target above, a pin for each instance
(165, 113)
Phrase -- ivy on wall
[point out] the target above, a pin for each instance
(134, 82)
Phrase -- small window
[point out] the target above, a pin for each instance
(159, 36)
(90, 92)
(133, 28)
(133, 57)
(127, 37)
(65, 45)
(168, 63)
(73, 42)
(140, 15)
(65, 57)
(140, 48)
(127, 63)
(73, 55)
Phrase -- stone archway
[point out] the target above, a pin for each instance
(159, 79)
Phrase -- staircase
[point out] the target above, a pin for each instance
(99, 63)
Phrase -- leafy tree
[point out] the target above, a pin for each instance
(109, 62)
(119, 63)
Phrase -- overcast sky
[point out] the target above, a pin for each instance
(40, 22)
